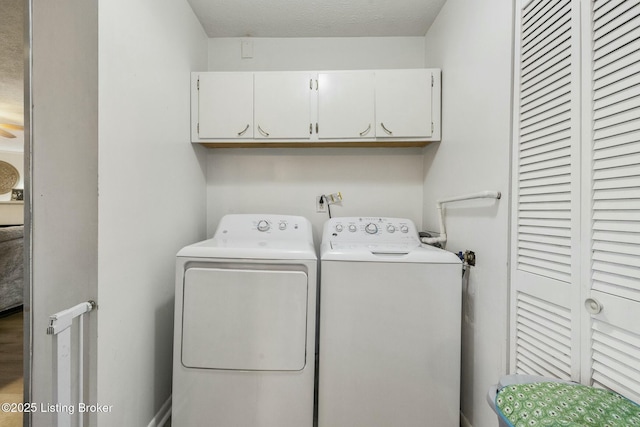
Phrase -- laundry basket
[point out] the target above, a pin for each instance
(540, 401)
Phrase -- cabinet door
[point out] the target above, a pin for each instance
(282, 106)
(346, 105)
(225, 105)
(403, 103)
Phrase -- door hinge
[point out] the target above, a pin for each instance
(310, 128)
(316, 127)
(316, 84)
(431, 128)
(431, 80)
(198, 128)
(198, 84)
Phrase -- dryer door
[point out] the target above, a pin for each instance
(244, 319)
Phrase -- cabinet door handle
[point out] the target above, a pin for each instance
(263, 133)
(243, 131)
(366, 131)
(385, 129)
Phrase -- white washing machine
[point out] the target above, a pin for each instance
(245, 321)
(389, 327)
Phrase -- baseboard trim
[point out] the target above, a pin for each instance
(162, 416)
(464, 422)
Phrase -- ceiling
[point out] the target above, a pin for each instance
(11, 71)
(316, 18)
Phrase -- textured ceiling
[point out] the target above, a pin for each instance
(316, 18)
(11, 71)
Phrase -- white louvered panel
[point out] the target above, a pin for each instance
(552, 68)
(545, 172)
(545, 58)
(552, 240)
(557, 249)
(602, 7)
(539, 114)
(615, 18)
(600, 105)
(546, 37)
(561, 99)
(621, 33)
(616, 62)
(624, 51)
(563, 135)
(545, 180)
(546, 95)
(549, 19)
(533, 27)
(616, 140)
(543, 346)
(547, 86)
(542, 159)
(543, 212)
(550, 232)
(615, 89)
(548, 126)
(616, 361)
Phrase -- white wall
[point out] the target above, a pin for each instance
(152, 196)
(472, 43)
(374, 181)
(327, 53)
(61, 231)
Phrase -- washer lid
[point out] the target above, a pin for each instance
(378, 239)
(386, 253)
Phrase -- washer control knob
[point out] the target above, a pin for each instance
(404, 229)
(339, 228)
(263, 225)
(391, 228)
(353, 228)
(282, 226)
(371, 228)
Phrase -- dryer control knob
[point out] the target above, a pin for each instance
(353, 228)
(339, 228)
(263, 225)
(282, 226)
(404, 229)
(391, 228)
(371, 228)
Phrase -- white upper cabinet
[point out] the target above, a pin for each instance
(404, 103)
(225, 105)
(328, 108)
(282, 105)
(346, 103)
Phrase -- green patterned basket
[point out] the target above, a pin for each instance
(552, 404)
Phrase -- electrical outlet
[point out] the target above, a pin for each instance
(321, 205)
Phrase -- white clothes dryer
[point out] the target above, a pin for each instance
(245, 321)
(389, 327)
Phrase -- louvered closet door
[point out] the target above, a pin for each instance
(612, 345)
(545, 299)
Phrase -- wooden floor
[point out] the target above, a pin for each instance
(11, 380)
